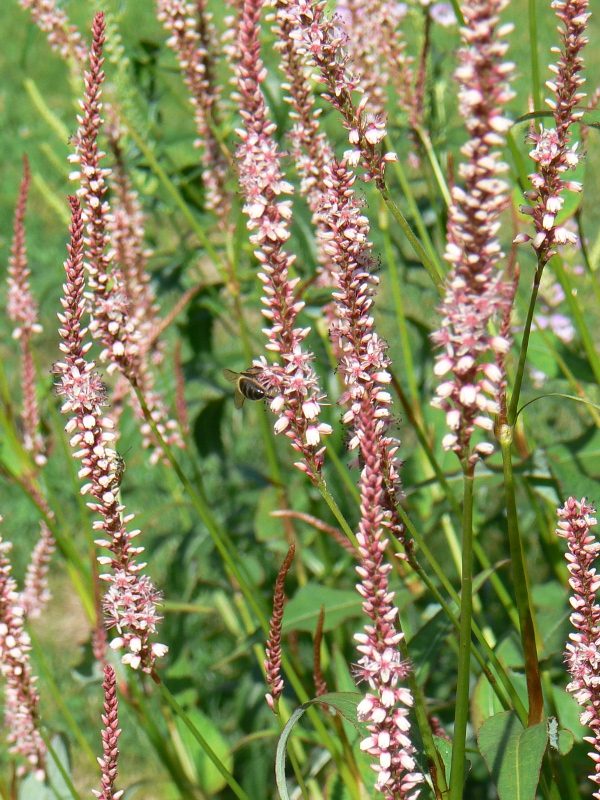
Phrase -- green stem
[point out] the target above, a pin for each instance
(480, 554)
(57, 696)
(425, 140)
(336, 511)
(520, 585)
(457, 769)
(60, 767)
(392, 267)
(415, 212)
(178, 710)
(174, 193)
(578, 317)
(435, 273)
(514, 400)
(436, 765)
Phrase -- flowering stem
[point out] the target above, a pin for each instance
(434, 272)
(520, 585)
(336, 511)
(415, 213)
(440, 179)
(457, 769)
(516, 392)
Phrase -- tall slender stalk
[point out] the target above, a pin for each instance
(457, 768)
(520, 585)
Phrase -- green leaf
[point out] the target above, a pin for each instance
(513, 754)
(576, 464)
(207, 428)
(199, 764)
(32, 789)
(55, 773)
(424, 647)
(266, 527)
(444, 748)
(344, 702)
(302, 611)
(568, 712)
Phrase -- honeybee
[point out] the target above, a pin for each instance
(247, 385)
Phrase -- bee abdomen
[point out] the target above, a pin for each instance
(251, 389)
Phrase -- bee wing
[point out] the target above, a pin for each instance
(231, 376)
(238, 398)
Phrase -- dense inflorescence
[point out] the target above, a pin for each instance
(131, 600)
(21, 698)
(553, 153)
(294, 382)
(110, 737)
(190, 37)
(576, 519)
(476, 292)
(22, 310)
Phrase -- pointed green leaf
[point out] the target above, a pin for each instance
(344, 702)
(513, 754)
(303, 609)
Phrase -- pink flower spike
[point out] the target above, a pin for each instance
(582, 653)
(292, 382)
(110, 737)
(62, 36)
(386, 706)
(476, 294)
(21, 704)
(273, 646)
(323, 42)
(22, 310)
(552, 152)
(191, 37)
(36, 594)
(131, 600)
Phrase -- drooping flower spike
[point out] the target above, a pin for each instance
(273, 646)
